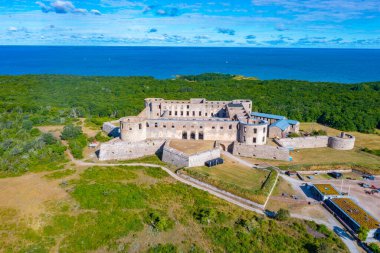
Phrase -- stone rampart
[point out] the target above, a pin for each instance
(180, 159)
(123, 150)
(199, 159)
(342, 142)
(261, 151)
(346, 142)
(174, 157)
(304, 142)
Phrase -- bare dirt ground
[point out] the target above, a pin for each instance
(55, 130)
(29, 194)
(191, 146)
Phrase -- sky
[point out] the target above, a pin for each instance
(239, 23)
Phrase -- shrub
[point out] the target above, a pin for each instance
(293, 135)
(374, 247)
(101, 137)
(71, 132)
(158, 221)
(282, 214)
(206, 215)
(48, 139)
(363, 233)
(163, 248)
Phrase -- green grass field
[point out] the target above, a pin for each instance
(327, 158)
(235, 178)
(109, 210)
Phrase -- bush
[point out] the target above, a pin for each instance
(363, 233)
(282, 214)
(101, 137)
(48, 139)
(77, 145)
(318, 132)
(71, 132)
(159, 221)
(206, 215)
(374, 247)
(293, 135)
(163, 248)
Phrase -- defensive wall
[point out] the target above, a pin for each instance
(117, 149)
(342, 142)
(180, 159)
(261, 151)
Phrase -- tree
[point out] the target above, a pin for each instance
(48, 139)
(282, 214)
(71, 132)
(363, 233)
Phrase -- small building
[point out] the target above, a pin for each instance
(279, 126)
(354, 216)
(323, 192)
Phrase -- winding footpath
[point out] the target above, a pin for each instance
(332, 224)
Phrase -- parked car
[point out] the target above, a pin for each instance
(364, 185)
(335, 174)
(369, 177)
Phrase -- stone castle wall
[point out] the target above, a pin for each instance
(346, 142)
(124, 150)
(175, 157)
(180, 159)
(304, 142)
(261, 151)
(199, 159)
(343, 142)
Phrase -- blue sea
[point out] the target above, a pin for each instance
(333, 65)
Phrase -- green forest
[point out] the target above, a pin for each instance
(55, 99)
(31, 100)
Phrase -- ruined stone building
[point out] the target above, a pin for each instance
(230, 123)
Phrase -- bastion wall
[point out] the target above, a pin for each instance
(304, 142)
(342, 142)
(345, 142)
(123, 150)
(180, 159)
(260, 151)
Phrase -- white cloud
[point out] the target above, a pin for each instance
(95, 12)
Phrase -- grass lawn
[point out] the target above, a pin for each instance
(191, 146)
(235, 178)
(109, 209)
(234, 173)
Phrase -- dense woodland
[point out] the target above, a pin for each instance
(54, 98)
(31, 100)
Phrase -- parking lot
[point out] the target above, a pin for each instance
(370, 202)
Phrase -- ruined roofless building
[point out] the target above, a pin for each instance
(197, 119)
